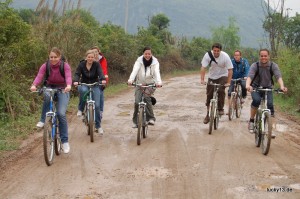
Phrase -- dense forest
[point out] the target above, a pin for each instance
(27, 35)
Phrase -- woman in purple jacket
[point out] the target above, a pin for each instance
(55, 79)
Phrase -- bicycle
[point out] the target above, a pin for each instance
(51, 138)
(88, 113)
(214, 115)
(142, 123)
(235, 104)
(263, 122)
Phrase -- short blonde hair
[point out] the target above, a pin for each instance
(89, 52)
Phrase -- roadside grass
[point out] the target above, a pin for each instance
(286, 105)
(12, 133)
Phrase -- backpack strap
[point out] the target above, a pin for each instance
(212, 58)
(257, 72)
(48, 70)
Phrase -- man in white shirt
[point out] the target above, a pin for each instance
(220, 72)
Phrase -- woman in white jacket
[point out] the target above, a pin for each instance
(145, 71)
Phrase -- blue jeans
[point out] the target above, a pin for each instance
(101, 103)
(97, 92)
(243, 85)
(61, 108)
(257, 96)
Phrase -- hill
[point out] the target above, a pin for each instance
(187, 17)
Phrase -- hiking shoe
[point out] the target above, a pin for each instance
(100, 131)
(79, 113)
(134, 125)
(273, 136)
(40, 124)
(251, 127)
(151, 122)
(206, 119)
(221, 112)
(66, 147)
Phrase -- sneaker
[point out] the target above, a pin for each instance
(151, 122)
(66, 147)
(40, 124)
(134, 125)
(272, 115)
(206, 119)
(100, 131)
(221, 112)
(251, 127)
(79, 113)
(273, 135)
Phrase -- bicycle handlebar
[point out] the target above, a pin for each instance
(92, 84)
(277, 90)
(144, 86)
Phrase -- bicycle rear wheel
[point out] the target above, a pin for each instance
(238, 106)
(48, 141)
(140, 125)
(257, 133)
(91, 122)
(231, 108)
(57, 143)
(211, 116)
(267, 134)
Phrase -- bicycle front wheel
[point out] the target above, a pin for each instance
(216, 121)
(48, 141)
(238, 106)
(211, 117)
(140, 125)
(57, 143)
(231, 108)
(267, 134)
(91, 122)
(257, 133)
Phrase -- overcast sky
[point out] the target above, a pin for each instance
(293, 5)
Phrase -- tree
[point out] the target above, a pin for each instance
(291, 33)
(227, 36)
(274, 24)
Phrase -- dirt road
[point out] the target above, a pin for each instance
(178, 159)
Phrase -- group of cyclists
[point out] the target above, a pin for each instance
(146, 70)
(222, 70)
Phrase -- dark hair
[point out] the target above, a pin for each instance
(146, 48)
(264, 49)
(217, 45)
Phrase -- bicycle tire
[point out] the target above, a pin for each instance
(91, 122)
(57, 143)
(267, 135)
(231, 108)
(211, 116)
(238, 106)
(216, 120)
(48, 141)
(140, 123)
(257, 133)
(145, 129)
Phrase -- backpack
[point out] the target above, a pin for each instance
(48, 69)
(257, 72)
(212, 58)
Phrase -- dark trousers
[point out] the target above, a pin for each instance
(221, 92)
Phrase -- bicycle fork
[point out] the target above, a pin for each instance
(262, 123)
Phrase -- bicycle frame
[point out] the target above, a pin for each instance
(143, 125)
(263, 135)
(214, 111)
(90, 115)
(51, 140)
(235, 100)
